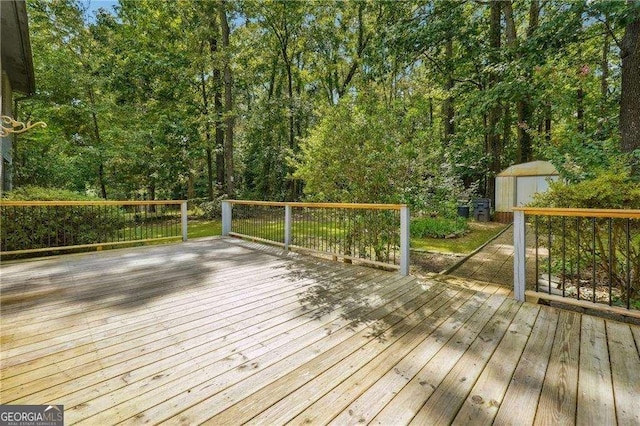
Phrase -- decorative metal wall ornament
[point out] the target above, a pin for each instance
(10, 126)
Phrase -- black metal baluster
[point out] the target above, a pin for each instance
(549, 248)
(593, 246)
(535, 226)
(564, 253)
(628, 263)
(105, 235)
(323, 230)
(161, 212)
(578, 257)
(314, 227)
(611, 258)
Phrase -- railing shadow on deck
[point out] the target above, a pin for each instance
(382, 305)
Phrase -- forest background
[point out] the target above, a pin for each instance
(419, 102)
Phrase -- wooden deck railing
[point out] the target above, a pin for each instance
(588, 257)
(370, 233)
(46, 226)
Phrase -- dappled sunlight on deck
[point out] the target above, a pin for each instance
(224, 331)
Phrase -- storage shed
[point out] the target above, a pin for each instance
(516, 185)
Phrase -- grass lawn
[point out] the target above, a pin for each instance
(479, 233)
(203, 228)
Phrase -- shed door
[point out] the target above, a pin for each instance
(526, 186)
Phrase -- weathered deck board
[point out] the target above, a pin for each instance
(373, 393)
(595, 390)
(313, 376)
(488, 392)
(222, 331)
(526, 383)
(625, 373)
(559, 393)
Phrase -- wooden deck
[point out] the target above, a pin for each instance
(222, 331)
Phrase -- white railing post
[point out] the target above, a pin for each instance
(183, 218)
(404, 240)
(519, 255)
(287, 226)
(226, 218)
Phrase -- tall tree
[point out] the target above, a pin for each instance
(228, 101)
(494, 144)
(630, 86)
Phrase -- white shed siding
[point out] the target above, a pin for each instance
(517, 185)
(505, 193)
(528, 186)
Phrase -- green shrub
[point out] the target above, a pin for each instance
(614, 189)
(438, 227)
(26, 228)
(608, 190)
(202, 208)
(38, 193)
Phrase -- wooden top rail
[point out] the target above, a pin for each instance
(89, 203)
(319, 205)
(604, 213)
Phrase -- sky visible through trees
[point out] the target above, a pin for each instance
(364, 101)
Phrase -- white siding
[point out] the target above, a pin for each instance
(505, 193)
(528, 186)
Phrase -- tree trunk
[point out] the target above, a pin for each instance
(151, 190)
(630, 89)
(448, 112)
(284, 47)
(506, 125)
(604, 83)
(362, 42)
(207, 134)
(495, 148)
(228, 103)
(272, 78)
(98, 140)
(523, 104)
(580, 108)
(217, 104)
(103, 187)
(547, 122)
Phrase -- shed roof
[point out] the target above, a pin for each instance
(16, 46)
(533, 168)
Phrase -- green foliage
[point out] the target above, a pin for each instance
(614, 189)
(363, 151)
(202, 208)
(589, 242)
(38, 227)
(438, 227)
(38, 193)
(135, 111)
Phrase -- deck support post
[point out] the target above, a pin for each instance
(287, 226)
(519, 256)
(404, 240)
(226, 218)
(183, 219)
